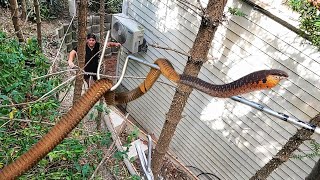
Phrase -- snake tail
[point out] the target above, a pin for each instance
(58, 132)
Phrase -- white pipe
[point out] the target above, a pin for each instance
(102, 54)
(125, 68)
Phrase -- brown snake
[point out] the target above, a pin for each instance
(258, 80)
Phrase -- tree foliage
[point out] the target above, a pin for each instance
(309, 19)
(23, 125)
(19, 64)
(111, 6)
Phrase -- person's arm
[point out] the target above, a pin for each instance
(72, 55)
(111, 44)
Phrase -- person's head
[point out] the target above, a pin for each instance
(91, 40)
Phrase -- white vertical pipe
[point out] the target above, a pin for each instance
(102, 54)
(72, 8)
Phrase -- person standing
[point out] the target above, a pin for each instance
(92, 56)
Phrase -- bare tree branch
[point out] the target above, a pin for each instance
(45, 96)
(285, 152)
(39, 122)
(169, 49)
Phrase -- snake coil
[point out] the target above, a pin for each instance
(255, 81)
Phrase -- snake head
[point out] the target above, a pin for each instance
(274, 76)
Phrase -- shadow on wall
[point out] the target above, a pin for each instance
(267, 45)
(219, 135)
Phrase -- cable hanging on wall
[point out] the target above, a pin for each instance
(206, 174)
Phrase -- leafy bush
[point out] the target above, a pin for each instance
(315, 151)
(48, 11)
(309, 19)
(23, 125)
(111, 6)
(4, 3)
(19, 64)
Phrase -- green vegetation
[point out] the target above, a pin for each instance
(315, 151)
(309, 19)
(111, 6)
(236, 12)
(4, 3)
(23, 125)
(47, 10)
(310, 23)
(120, 155)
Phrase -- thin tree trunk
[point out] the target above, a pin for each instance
(14, 14)
(315, 172)
(102, 28)
(23, 10)
(81, 50)
(199, 53)
(37, 10)
(102, 9)
(284, 154)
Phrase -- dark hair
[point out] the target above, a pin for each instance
(90, 35)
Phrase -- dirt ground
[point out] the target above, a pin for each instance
(50, 48)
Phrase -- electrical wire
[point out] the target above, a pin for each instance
(203, 173)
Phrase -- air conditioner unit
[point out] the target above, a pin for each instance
(127, 32)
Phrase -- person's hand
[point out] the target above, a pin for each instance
(112, 44)
(71, 64)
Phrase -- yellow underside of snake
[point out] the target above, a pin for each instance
(258, 80)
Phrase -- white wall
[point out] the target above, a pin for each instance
(217, 135)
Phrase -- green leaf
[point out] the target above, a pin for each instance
(236, 11)
(99, 107)
(317, 23)
(85, 170)
(4, 97)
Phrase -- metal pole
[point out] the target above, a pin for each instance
(278, 115)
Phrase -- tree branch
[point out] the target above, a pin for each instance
(168, 48)
(285, 153)
(39, 122)
(42, 97)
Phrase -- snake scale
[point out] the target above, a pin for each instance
(258, 80)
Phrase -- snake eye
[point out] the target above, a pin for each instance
(280, 74)
(278, 77)
(283, 77)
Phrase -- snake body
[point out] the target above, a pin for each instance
(258, 80)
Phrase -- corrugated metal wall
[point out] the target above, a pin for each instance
(216, 135)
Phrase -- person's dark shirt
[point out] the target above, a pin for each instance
(93, 64)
